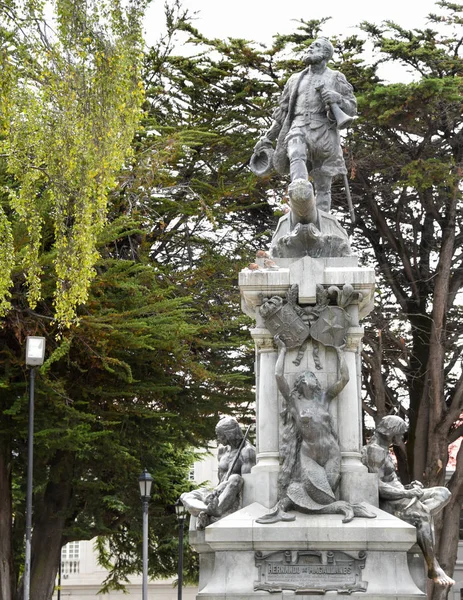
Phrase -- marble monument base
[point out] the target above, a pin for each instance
(315, 556)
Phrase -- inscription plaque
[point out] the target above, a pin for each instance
(309, 571)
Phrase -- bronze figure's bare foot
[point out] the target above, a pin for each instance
(277, 515)
(439, 577)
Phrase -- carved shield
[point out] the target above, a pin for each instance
(286, 323)
(331, 327)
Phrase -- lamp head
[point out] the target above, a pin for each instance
(145, 482)
(180, 510)
(35, 350)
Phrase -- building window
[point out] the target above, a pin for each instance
(70, 559)
(191, 474)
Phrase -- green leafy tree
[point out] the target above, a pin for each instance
(69, 106)
(130, 380)
(121, 391)
(111, 393)
(198, 216)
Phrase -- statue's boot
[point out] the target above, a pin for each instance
(322, 183)
(323, 201)
(302, 202)
(297, 155)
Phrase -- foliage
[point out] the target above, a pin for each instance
(124, 381)
(70, 104)
(162, 346)
(123, 390)
(137, 379)
(406, 169)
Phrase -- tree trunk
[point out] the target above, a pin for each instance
(6, 562)
(48, 533)
(447, 524)
(49, 522)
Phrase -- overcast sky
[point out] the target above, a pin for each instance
(258, 20)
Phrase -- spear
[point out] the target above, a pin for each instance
(243, 441)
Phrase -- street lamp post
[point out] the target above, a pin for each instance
(145, 481)
(35, 353)
(180, 511)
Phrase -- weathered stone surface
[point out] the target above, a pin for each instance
(306, 272)
(346, 410)
(235, 540)
(310, 571)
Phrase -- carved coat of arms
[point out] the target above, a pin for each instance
(331, 327)
(282, 319)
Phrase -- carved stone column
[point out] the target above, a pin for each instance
(267, 399)
(357, 485)
(263, 488)
(349, 410)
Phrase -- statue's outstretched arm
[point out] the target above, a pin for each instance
(391, 492)
(337, 387)
(280, 368)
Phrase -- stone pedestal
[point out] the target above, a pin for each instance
(249, 556)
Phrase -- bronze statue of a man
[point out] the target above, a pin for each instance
(315, 104)
(412, 503)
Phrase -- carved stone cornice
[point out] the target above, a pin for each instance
(354, 338)
(307, 273)
(263, 339)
